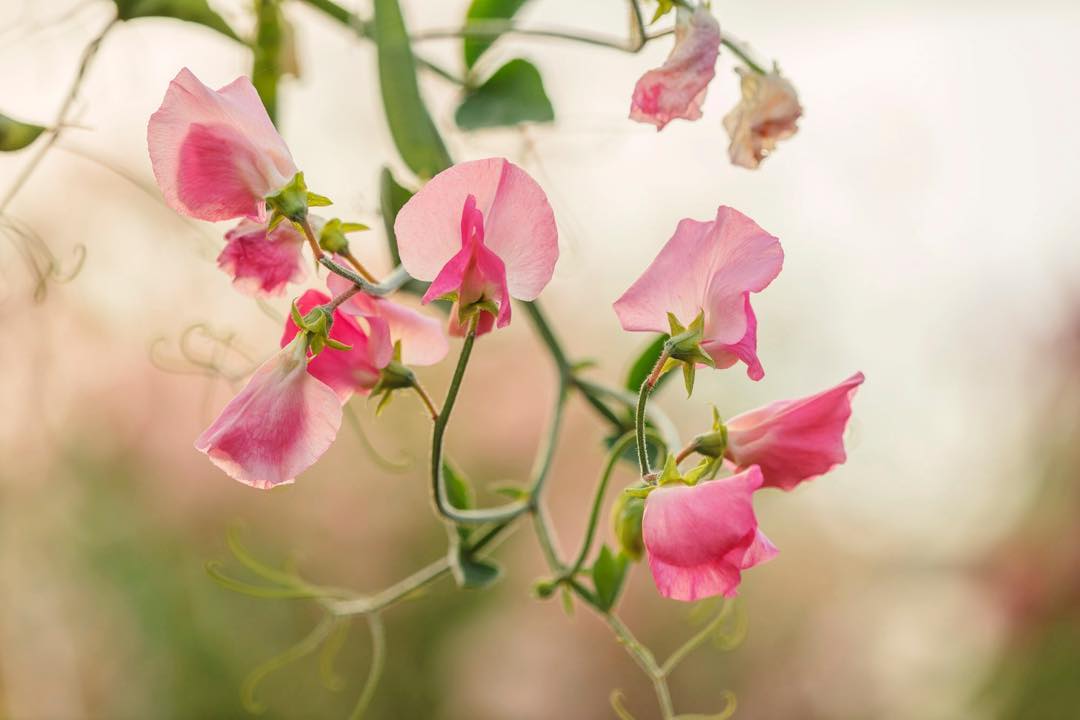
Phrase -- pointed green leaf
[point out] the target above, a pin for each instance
(267, 53)
(193, 11)
(644, 363)
(415, 135)
(15, 135)
(513, 95)
(481, 11)
(472, 573)
(689, 369)
(460, 494)
(608, 575)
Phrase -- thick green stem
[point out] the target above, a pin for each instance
(389, 284)
(639, 415)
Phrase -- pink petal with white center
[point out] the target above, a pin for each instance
(278, 426)
(677, 88)
(700, 538)
(261, 263)
(215, 154)
(519, 224)
(794, 440)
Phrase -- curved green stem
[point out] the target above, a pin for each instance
(695, 642)
(389, 284)
(639, 415)
(378, 661)
(736, 47)
(598, 500)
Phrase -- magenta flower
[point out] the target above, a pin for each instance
(677, 88)
(216, 154)
(483, 231)
(794, 440)
(355, 370)
(423, 340)
(701, 537)
(262, 263)
(278, 426)
(711, 268)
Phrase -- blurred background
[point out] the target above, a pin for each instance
(928, 211)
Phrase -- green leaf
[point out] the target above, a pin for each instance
(514, 94)
(392, 197)
(415, 135)
(269, 53)
(608, 575)
(472, 573)
(15, 135)
(194, 11)
(481, 11)
(460, 494)
(641, 368)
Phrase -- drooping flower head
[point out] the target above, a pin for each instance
(483, 232)
(677, 88)
(710, 269)
(794, 440)
(699, 538)
(766, 114)
(262, 263)
(355, 370)
(421, 337)
(215, 153)
(278, 426)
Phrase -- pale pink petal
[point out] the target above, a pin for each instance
(519, 223)
(677, 88)
(794, 440)
(262, 264)
(215, 154)
(346, 371)
(725, 355)
(699, 538)
(278, 426)
(766, 114)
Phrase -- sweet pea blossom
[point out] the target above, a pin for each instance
(355, 370)
(278, 426)
(711, 268)
(765, 115)
(483, 231)
(677, 88)
(794, 440)
(262, 263)
(423, 340)
(699, 538)
(215, 153)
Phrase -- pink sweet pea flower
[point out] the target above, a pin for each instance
(278, 426)
(709, 267)
(355, 370)
(677, 88)
(700, 538)
(216, 155)
(483, 229)
(262, 263)
(794, 440)
(423, 340)
(766, 114)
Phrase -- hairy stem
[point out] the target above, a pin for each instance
(639, 415)
(358, 266)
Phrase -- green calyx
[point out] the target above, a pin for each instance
(684, 348)
(395, 376)
(705, 470)
(292, 202)
(332, 235)
(712, 444)
(316, 325)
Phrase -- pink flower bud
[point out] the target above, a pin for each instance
(216, 154)
(709, 267)
(765, 115)
(483, 230)
(278, 426)
(700, 538)
(345, 371)
(262, 263)
(794, 440)
(677, 88)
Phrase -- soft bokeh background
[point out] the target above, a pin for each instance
(928, 209)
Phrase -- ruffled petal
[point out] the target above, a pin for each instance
(262, 264)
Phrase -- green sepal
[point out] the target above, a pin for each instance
(384, 400)
(689, 371)
(670, 473)
(702, 470)
(316, 200)
(395, 376)
(332, 235)
(290, 202)
(609, 576)
(337, 345)
(712, 444)
(15, 135)
(663, 8)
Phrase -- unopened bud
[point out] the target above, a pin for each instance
(626, 516)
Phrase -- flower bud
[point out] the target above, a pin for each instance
(626, 517)
(712, 444)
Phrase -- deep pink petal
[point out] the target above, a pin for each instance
(278, 426)
(699, 538)
(520, 225)
(677, 88)
(262, 264)
(794, 440)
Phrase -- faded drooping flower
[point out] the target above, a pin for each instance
(677, 88)
(481, 232)
(794, 440)
(215, 153)
(766, 114)
(710, 269)
(262, 263)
